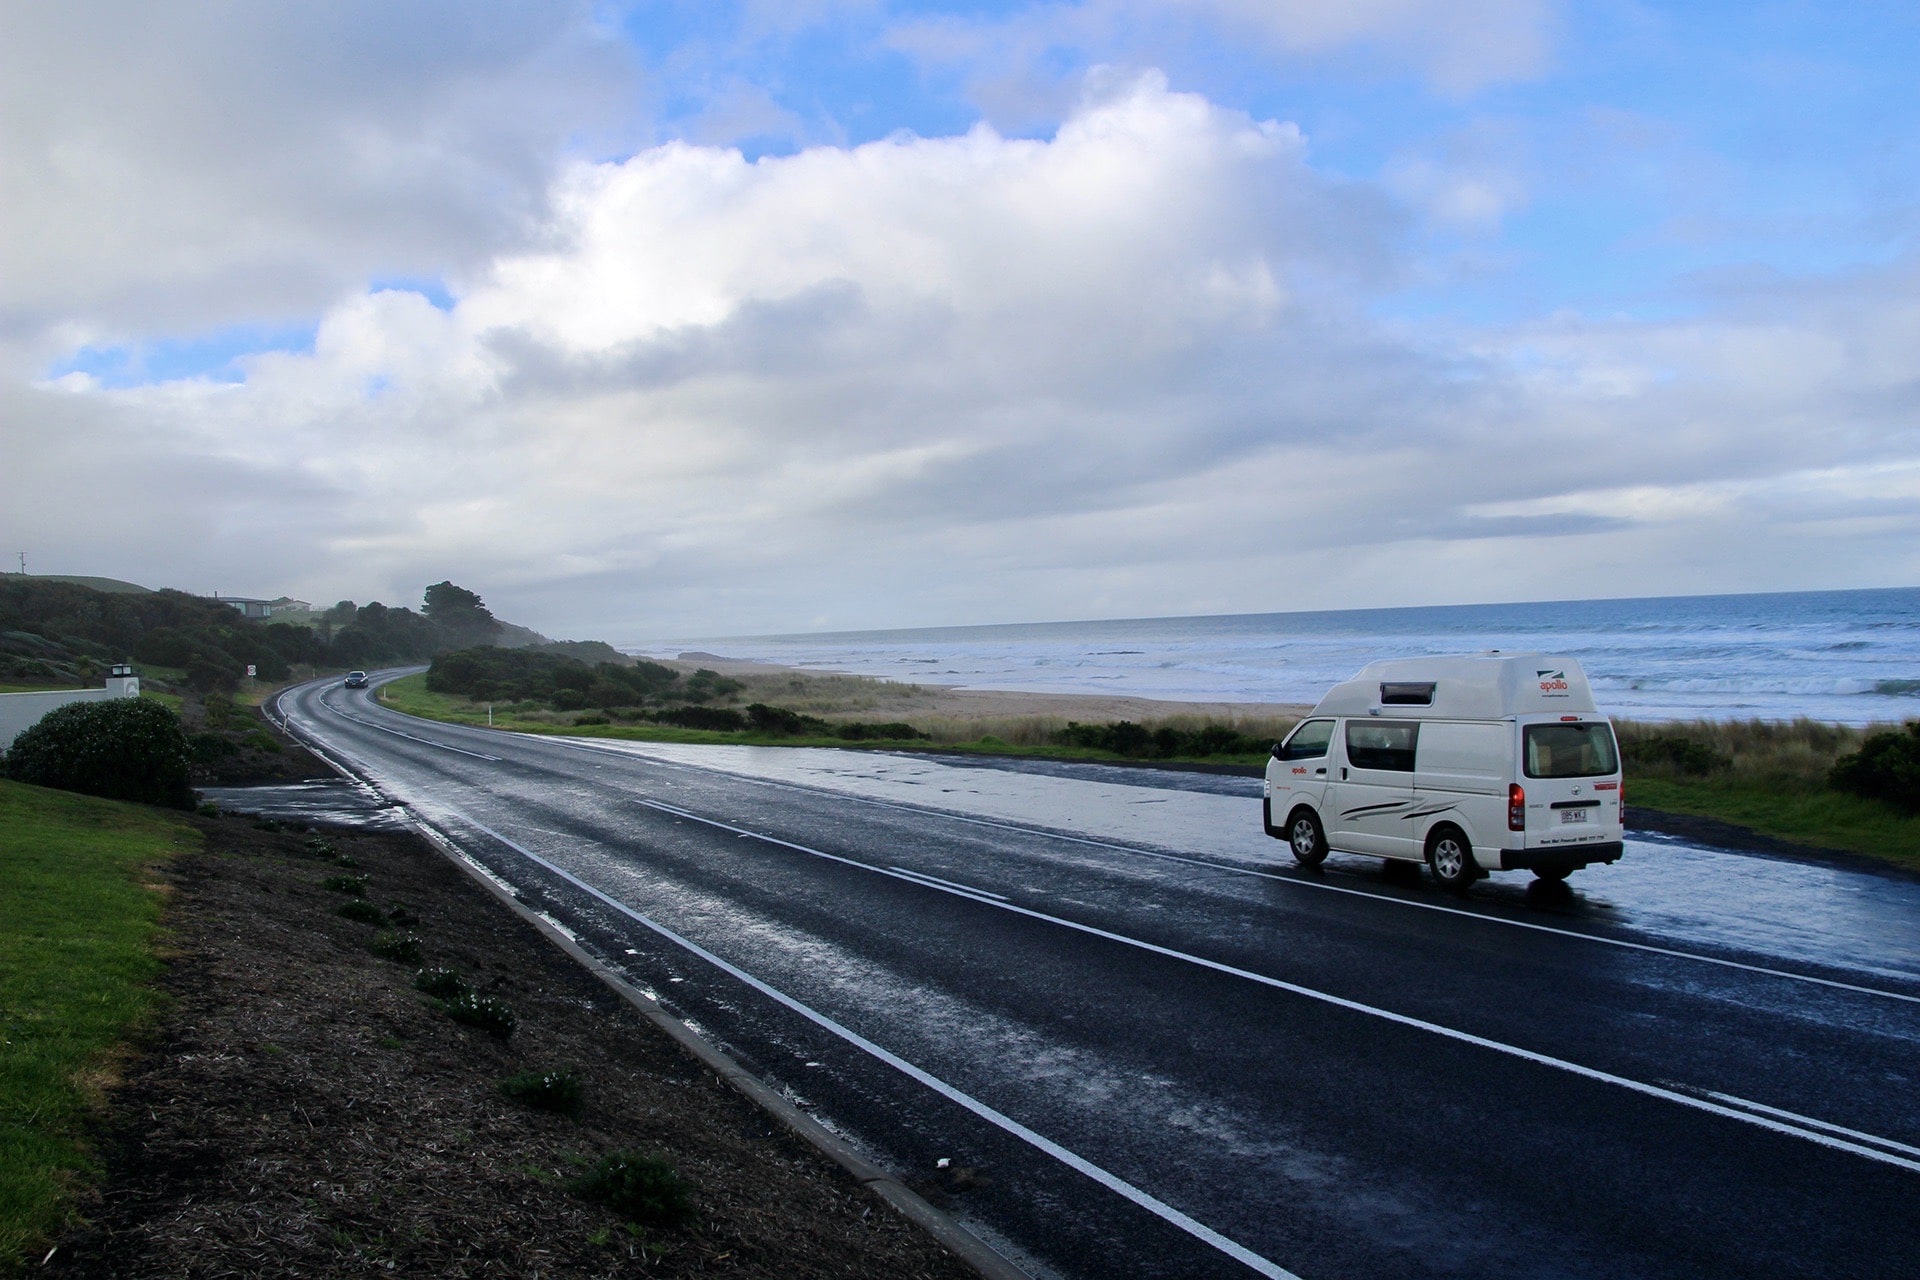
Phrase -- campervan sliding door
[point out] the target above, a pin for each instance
(1372, 798)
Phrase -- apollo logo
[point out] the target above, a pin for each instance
(1552, 681)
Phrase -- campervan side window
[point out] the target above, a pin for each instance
(1381, 744)
(1308, 742)
(1570, 751)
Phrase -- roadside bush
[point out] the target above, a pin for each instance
(122, 749)
(441, 984)
(361, 911)
(207, 748)
(1672, 753)
(492, 1016)
(392, 945)
(642, 1189)
(1125, 738)
(780, 720)
(1886, 767)
(355, 885)
(721, 718)
(894, 732)
(555, 1091)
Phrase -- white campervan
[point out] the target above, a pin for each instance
(1478, 763)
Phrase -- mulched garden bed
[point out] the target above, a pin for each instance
(302, 1110)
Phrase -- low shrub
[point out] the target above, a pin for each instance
(555, 1091)
(1125, 738)
(722, 719)
(403, 948)
(362, 911)
(640, 1188)
(1671, 753)
(897, 731)
(320, 847)
(121, 749)
(210, 748)
(355, 885)
(781, 720)
(1886, 767)
(490, 1015)
(441, 984)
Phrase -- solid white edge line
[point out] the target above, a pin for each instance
(1751, 1115)
(1257, 873)
(1166, 1212)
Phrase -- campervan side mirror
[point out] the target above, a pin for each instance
(1274, 751)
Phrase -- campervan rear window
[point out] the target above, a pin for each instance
(1570, 751)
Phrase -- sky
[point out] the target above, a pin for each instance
(664, 319)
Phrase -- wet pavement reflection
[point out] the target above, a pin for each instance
(1667, 889)
(335, 802)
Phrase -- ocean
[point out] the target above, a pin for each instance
(1847, 657)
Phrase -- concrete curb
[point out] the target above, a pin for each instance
(937, 1223)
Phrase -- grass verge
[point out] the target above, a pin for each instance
(78, 924)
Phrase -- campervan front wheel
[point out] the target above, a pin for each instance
(1451, 859)
(1308, 841)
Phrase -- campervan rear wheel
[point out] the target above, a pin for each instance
(1451, 859)
(1308, 841)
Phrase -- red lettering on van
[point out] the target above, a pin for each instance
(1553, 686)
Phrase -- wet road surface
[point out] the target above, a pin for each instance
(1144, 1045)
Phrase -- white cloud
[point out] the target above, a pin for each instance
(1127, 369)
(186, 166)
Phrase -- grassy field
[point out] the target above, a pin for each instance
(79, 919)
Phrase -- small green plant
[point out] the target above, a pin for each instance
(492, 1016)
(208, 809)
(267, 824)
(640, 1188)
(392, 945)
(441, 984)
(402, 914)
(555, 1091)
(348, 861)
(355, 885)
(361, 911)
(320, 846)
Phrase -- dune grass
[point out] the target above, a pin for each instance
(79, 919)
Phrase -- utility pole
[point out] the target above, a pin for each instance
(23, 564)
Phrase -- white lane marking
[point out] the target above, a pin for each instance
(1230, 868)
(1753, 1113)
(1112, 1182)
(1797, 1118)
(967, 889)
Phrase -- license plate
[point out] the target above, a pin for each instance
(1572, 815)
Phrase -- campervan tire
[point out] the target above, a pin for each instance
(1451, 859)
(1304, 836)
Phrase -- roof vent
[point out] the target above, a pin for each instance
(1406, 693)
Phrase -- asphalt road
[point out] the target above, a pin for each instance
(1120, 1057)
